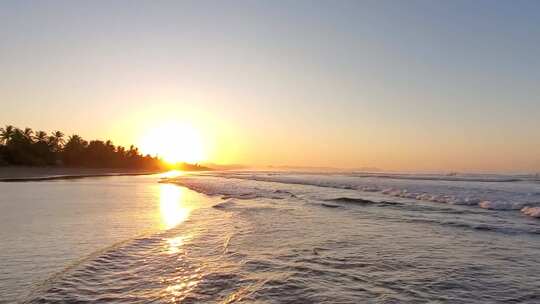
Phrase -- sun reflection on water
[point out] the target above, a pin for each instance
(175, 209)
(172, 208)
(175, 244)
(181, 287)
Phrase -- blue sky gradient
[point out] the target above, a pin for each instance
(402, 85)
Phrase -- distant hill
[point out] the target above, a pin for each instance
(191, 167)
(329, 169)
(213, 166)
(225, 167)
(368, 169)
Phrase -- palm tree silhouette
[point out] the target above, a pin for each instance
(28, 133)
(74, 141)
(6, 134)
(56, 140)
(133, 151)
(26, 147)
(40, 136)
(59, 136)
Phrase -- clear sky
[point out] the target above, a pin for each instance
(400, 85)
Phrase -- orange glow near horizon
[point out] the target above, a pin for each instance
(174, 142)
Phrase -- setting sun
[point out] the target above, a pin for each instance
(303, 151)
(174, 142)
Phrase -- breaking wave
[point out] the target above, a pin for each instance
(531, 211)
(491, 192)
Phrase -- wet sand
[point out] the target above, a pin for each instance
(21, 174)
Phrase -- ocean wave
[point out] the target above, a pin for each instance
(449, 178)
(361, 201)
(501, 205)
(351, 200)
(492, 198)
(224, 204)
(478, 226)
(330, 205)
(227, 189)
(436, 198)
(531, 211)
(436, 190)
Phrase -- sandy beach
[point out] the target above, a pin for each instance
(13, 174)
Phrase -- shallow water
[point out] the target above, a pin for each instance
(50, 225)
(266, 238)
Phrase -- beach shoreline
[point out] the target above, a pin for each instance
(29, 174)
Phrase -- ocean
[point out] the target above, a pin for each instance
(272, 237)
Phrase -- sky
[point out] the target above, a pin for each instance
(398, 85)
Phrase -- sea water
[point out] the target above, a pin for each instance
(272, 237)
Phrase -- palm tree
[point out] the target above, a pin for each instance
(75, 141)
(26, 147)
(56, 140)
(133, 151)
(28, 134)
(40, 136)
(121, 151)
(59, 136)
(6, 134)
(18, 137)
(110, 146)
(73, 151)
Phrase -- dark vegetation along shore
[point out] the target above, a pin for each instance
(28, 150)
(24, 147)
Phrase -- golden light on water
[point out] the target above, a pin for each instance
(183, 286)
(175, 244)
(174, 142)
(171, 174)
(173, 210)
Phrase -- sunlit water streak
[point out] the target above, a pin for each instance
(268, 242)
(173, 212)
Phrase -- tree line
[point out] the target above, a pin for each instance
(26, 147)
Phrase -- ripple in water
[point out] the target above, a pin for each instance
(291, 249)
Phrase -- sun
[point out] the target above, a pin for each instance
(174, 142)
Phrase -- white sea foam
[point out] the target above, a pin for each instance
(436, 198)
(501, 205)
(488, 192)
(531, 211)
(224, 204)
(227, 188)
